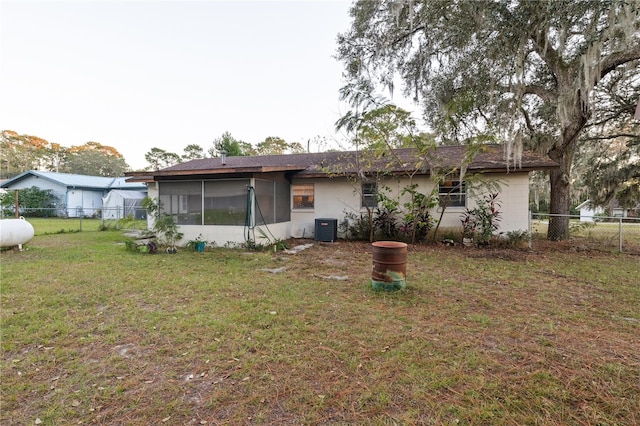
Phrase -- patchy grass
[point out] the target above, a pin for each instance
(597, 235)
(59, 225)
(92, 333)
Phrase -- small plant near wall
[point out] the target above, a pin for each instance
(164, 226)
(517, 238)
(417, 220)
(272, 243)
(481, 222)
(469, 226)
(355, 227)
(409, 222)
(167, 228)
(489, 216)
(197, 244)
(385, 220)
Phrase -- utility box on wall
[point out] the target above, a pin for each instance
(326, 230)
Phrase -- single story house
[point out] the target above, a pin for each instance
(77, 195)
(588, 211)
(616, 210)
(228, 199)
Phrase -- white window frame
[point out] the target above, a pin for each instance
(456, 191)
(368, 198)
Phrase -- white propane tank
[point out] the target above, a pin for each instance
(15, 232)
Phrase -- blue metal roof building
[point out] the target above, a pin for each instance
(78, 195)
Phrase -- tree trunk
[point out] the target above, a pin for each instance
(560, 183)
(560, 204)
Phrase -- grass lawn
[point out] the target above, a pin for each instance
(93, 334)
(57, 225)
(602, 235)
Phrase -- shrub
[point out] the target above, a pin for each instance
(355, 227)
(482, 221)
(164, 226)
(417, 219)
(517, 238)
(32, 202)
(385, 223)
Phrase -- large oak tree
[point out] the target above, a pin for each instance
(20, 152)
(94, 158)
(525, 72)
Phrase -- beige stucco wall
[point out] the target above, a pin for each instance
(513, 190)
(334, 197)
(152, 192)
(514, 199)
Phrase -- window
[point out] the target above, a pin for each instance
(369, 194)
(453, 193)
(303, 196)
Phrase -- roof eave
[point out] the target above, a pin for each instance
(140, 179)
(511, 169)
(487, 170)
(217, 171)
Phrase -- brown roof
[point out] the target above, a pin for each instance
(490, 159)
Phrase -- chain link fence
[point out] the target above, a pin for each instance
(600, 232)
(56, 221)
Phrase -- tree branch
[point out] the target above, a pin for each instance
(547, 53)
(616, 114)
(527, 120)
(407, 35)
(541, 92)
(611, 136)
(616, 59)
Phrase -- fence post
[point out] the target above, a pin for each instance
(530, 232)
(620, 234)
(16, 203)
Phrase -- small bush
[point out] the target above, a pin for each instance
(385, 223)
(32, 202)
(517, 238)
(482, 221)
(355, 227)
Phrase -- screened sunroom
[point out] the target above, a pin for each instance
(223, 210)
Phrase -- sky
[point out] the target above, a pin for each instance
(141, 74)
